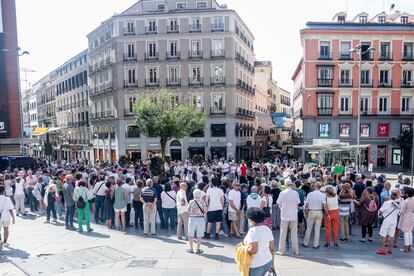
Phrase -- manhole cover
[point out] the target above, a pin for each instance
(142, 263)
(46, 264)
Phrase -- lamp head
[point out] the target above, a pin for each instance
(371, 49)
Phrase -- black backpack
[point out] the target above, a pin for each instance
(80, 204)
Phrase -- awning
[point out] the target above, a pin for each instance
(43, 130)
(39, 131)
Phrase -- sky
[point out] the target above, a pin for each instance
(53, 31)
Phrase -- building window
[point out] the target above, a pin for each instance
(364, 49)
(152, 27)
(201, 5)
(130, 29)
(160, 7)
(195, 75)
(383, 104)
(341, 19)
(346, 77)
(384, 78)
(131, 76)
(173, 49)
(381, 19)
(218, 74)
(131, 105)
(405, 104)
(152, 50)
(325, 50)
(195, 49)
(218, 102)
(217, 48)
(363, 19)
(173, 75)
(385, 53)
(131, 51)
(364, 105)
(404, 19)
(132, 132)
(345, 47)
(181, 6)
(196, 101)
(195, 25)
(218, 130)
(325, 104)
(325, 76)
(153, 75)
(365, 78)
(217, 24)
(172, 26)
(345, 104)
(407, 78)
(408, 51)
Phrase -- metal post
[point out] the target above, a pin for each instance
(412, 151)
(359, 113)
(20, 102)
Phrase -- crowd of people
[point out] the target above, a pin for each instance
(218, 199)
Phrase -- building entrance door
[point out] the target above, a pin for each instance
(381, 156)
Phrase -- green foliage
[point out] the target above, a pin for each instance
(161, 116)
(157, 167)
(405, 139)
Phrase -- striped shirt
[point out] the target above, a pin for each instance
(148, 194)
(344, 205)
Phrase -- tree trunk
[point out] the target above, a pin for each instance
(163, 143)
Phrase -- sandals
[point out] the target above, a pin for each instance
(199, 251)
(190, 251)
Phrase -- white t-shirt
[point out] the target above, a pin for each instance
(19, 187)
(253, 200)
(167, 201)
(263, 236)
(288, 202)
(390, 211)
(215, 194)
(236, 197)
(181, 208)
(5, 206)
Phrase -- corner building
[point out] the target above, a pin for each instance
(326, 85)
(201, 51)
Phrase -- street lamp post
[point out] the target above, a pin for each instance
(358, 50)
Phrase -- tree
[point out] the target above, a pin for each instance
(405, 139)
(162, 116)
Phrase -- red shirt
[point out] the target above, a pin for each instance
(243, 170)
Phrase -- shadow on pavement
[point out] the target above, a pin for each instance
(10, 252)
(219, 258)
(168, 240)
(95, 235)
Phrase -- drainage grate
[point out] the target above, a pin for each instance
(143, 263)
(63, 262)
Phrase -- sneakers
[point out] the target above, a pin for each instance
(216, 236)
(381, 252)
(5, 244)
(206, 236)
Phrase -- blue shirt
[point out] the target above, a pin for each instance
(384, 195)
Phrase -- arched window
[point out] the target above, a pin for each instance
(132, 132)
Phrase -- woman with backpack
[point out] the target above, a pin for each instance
(82, 195)
(368, 209)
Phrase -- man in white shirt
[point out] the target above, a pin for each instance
(99, 190)
(215, 201)
(288, 202)
(31, 182)
(182, 214)
(234, 208)
(6, 217)
(19, 195)
(314, 206)
(253, 200)
(129, 188)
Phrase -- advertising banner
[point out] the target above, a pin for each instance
(279, 119)
(383, 130)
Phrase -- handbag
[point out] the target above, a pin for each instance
(267, 208)
(271, 273)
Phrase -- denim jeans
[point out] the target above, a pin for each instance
(99, 208)
(70, 212)
(261, 270)
(59, 208)
(33, 203)
(169, 215)
(139, 216)
(51, 208)
(225, 225)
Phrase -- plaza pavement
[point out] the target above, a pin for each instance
(48, 249)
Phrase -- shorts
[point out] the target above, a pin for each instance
(301, 216)
(233, 216)
(214, 216)
(123, 210)
(387, 229)
(196, 227)
(6, 223)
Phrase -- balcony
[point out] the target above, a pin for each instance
(345, 112)
(217, 111)
(129, 31)
(217, 27)
(128, 113)
(245, 113)
(325, 55)
(216, 54)
(174, 82)
(385, 56)
(408, 57)
(218, 80)
(173, 55)
(387, 112)
(173, 29)
(385, 83)
(325, 111)
(152, 83)
(197, 54)
(367, 83)
(325, 82)
(130, 84)
(407, 84)
(149, 30)
(194, 28)
(108, 61)
(195, 81)
(151, 56)
(130, 57)
(345, 83)
(244, 86)
(345, 56)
